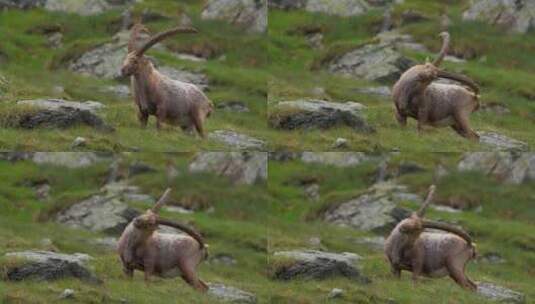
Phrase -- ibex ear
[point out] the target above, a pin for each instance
(161, 201)
(427, 201)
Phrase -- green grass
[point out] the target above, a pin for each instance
(504, 73)
(33, 70)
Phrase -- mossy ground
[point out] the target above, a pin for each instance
(33, 69)
(499, 61)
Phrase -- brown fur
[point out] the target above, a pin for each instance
(409, 247)
(171, 101)
(435, 104)
(143, 248)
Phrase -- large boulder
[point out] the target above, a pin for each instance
(505, 166)
(251, 14)
(500, 294)
(375, 210)
(337, 159)
(46, 265)
(514, 15)
(67, 159)
(376, 62)
(106, 60)
(21, 4)
(309, 114)
(58, 113)
(344, 8)
(102, 212)
(313, 264)
(230, 294)
(237, 140)
(80, 7)
(240, 167)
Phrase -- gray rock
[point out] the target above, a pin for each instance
(312, 192)
(375, 210)
(382, 91)
(315, 40)
(223, 259)
(189, 57)
(237, 140)
(121, 90)
(42, 191)
(373, 242)
(344, 8)
(109, 243)
(495, 108)
(67, 159)
(491, 258)
(49, 266)
(198, 79)
(21, 4)
(499, 293)
(67, 294)
(340, 143)
(251, 14)
(178, 209)
(446, 209)
(501, 142)
(58, 104)
(287, 4)
(401, 41)
(337, 159)
(55, 40)
(313, 264)
(230, 294)
(309, 114)
(376, 62)
(98, 213)
(514, 15)
(79, 142)
(454, 59)
(232, 106)
(240, 167)
(514, 168)
(336, 293)
(80, 7)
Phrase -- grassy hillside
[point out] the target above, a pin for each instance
(232, 223)
(504, 225)
(235, 68)
(500, 62)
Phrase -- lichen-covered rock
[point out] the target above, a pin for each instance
(375, 210)
(230, 294)
(47, 265)
(80, 7)
(313, 264)
(499, 293)
(21, 4)
(309, 114)
(251, 14)
(67, 159)
(287, 4)
(344, 8)
(56, 104)
(337, 159)
(514, 15)
(515, 168)
(501, 142)
(240, 167)
(237, 140)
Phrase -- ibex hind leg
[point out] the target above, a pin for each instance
(143, 118)
(198, 121)
(456, 272)
(462, 119)
(189, 275)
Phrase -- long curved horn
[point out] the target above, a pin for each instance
(161, 201)
(445, 47)
(427, 201)
(161, 36)
(449, 228)
(184, 228)
(460, 78)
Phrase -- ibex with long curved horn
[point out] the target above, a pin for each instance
(143, 248)
(433, 254)
(171, 101)
(436, 104)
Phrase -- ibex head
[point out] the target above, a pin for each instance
(132, 61)
(149, 220)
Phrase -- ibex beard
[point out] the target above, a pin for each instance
(143, 248)
(436, 104)
(431, 254)
(172, 101)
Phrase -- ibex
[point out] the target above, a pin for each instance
(433, 254)
(436, 104)
(171, 101)
(143, 248)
